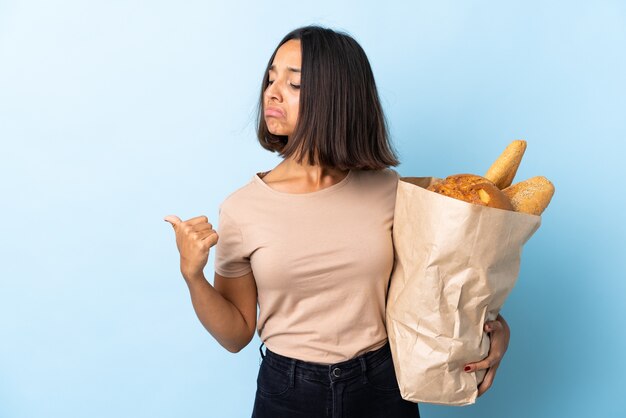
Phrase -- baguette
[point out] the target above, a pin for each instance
(503, 170)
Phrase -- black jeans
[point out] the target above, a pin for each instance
(362, 387)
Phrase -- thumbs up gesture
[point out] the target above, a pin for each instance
(194, 238)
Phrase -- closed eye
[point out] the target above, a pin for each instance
(292, 85)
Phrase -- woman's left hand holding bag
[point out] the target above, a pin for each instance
(499, 335)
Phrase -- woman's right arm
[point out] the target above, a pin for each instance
(228, 310)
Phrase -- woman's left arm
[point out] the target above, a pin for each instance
(499, 334)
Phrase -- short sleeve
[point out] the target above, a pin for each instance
(231, 260)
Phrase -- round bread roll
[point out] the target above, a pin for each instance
(472, 189)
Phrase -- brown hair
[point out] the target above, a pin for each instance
(340, 119)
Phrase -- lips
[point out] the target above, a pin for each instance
(274, 111)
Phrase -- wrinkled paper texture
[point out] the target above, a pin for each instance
(455, 264)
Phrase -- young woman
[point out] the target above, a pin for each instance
(310, 241)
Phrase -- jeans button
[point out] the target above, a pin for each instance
(336, 372)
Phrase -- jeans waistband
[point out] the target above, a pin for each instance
(337, 371)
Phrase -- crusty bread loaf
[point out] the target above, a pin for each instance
(502, 171)
(530, 196)
(472, 189)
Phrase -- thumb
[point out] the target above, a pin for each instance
(172, 219)
(491, 326)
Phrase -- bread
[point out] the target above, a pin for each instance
(472, 189)
(530, 196)
(503, 170)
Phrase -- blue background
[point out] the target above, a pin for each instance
(115, 114)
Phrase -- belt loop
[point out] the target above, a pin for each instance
(363, 369)
(261, 351)
(292, 371)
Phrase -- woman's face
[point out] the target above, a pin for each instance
(282, 95)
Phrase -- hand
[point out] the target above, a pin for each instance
(499, 335)
(194, 238)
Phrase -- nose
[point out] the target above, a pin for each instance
(272, 92)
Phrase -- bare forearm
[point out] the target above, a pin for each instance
(218, 315)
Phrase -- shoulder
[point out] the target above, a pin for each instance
(237, 199)
(378, 185)
(385, 176)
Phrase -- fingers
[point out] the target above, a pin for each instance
(204, 233)
(492, 361)
(198, 228)
(485, 363)
(496, 350)
(211, 239)
(202, 227)
(197, 220)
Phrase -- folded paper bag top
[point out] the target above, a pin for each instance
(455, 264)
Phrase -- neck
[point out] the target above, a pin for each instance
(312, 173)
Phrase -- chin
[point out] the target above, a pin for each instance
(278, 132)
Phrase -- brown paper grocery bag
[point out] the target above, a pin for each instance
(455, 264)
